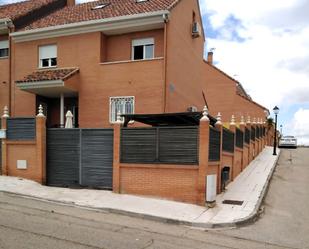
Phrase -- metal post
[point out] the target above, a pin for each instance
(275, 138)
(61, 110)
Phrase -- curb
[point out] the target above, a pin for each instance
(249, 219)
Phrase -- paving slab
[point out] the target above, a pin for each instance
(250, 187)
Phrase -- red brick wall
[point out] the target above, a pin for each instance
(172, 182)
(237, 162)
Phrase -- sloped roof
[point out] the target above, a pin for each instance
(48, 75)
(15, 10)
(87, 11)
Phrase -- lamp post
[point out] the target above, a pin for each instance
(276, 112)
(280, 130)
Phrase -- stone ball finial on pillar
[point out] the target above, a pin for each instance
(41, 113)
(232, 120)
(242, 120)
(248, 120)
(5, 112)
(205, 114)
(219, 122)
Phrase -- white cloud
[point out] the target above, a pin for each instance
(271, 61)
(300, 126)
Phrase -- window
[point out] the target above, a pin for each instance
(143, 49)
(48, 56)
(124, 105)
(4, 48)
(100, 6)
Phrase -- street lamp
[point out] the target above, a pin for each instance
(276, 112)
(280, 130)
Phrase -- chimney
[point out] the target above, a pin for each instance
(210, 57)
(70, 2)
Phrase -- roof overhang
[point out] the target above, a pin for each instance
(109, 26)
(48, 88)
(5, 24)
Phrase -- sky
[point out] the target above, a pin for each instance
(265, 46)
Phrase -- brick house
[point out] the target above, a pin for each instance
(96, 59)
(134, 57)
(15, 17)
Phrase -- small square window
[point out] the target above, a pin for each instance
(4, 48)
(48, 56)
(143, 49)
(4, 52)
(122, 105)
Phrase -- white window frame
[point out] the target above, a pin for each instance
(143, 42)
(112, 114)
(49, 57)
(5, 45)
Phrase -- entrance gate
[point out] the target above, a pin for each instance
(80, 157)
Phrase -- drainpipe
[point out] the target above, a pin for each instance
(10, 73)
(61, 110)
(165, 16)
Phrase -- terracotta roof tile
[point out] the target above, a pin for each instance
(51, 74)
(16, 10)
(86, 11)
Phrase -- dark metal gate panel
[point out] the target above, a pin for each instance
(97, 158)
(63, 150)
(20, 129)
(178, 145)
(138, 145)
(214, 144)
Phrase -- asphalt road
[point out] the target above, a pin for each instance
(27, 223)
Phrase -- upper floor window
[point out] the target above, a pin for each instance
(121, 105)
(48, 56)
(4, 48)
(143, 49)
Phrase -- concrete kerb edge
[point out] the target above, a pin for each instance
(250, 218)
(254, 215)
(107, 210)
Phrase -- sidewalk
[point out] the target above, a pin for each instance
(250, 187)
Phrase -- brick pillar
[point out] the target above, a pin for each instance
(41, 145)
(250, 151)
(242, 127)
(219, 127)
(116, 159)
(254, 151)
(233, 129)
(203, 157)
(4, 145)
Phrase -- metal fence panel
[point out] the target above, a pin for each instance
(159, 145)
(138, 145)
(21, 129)
(258, 132)
(178, 145)
(252, 133)
(97, 158)
(214, 144)
(228, 141)
(63, 150)
(247, 136)
(239, 138)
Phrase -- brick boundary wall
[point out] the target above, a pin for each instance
(186, 183)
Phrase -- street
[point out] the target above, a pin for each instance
(28, 223)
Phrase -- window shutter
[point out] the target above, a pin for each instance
(47, 52)
(142, 42)
(4, 44)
